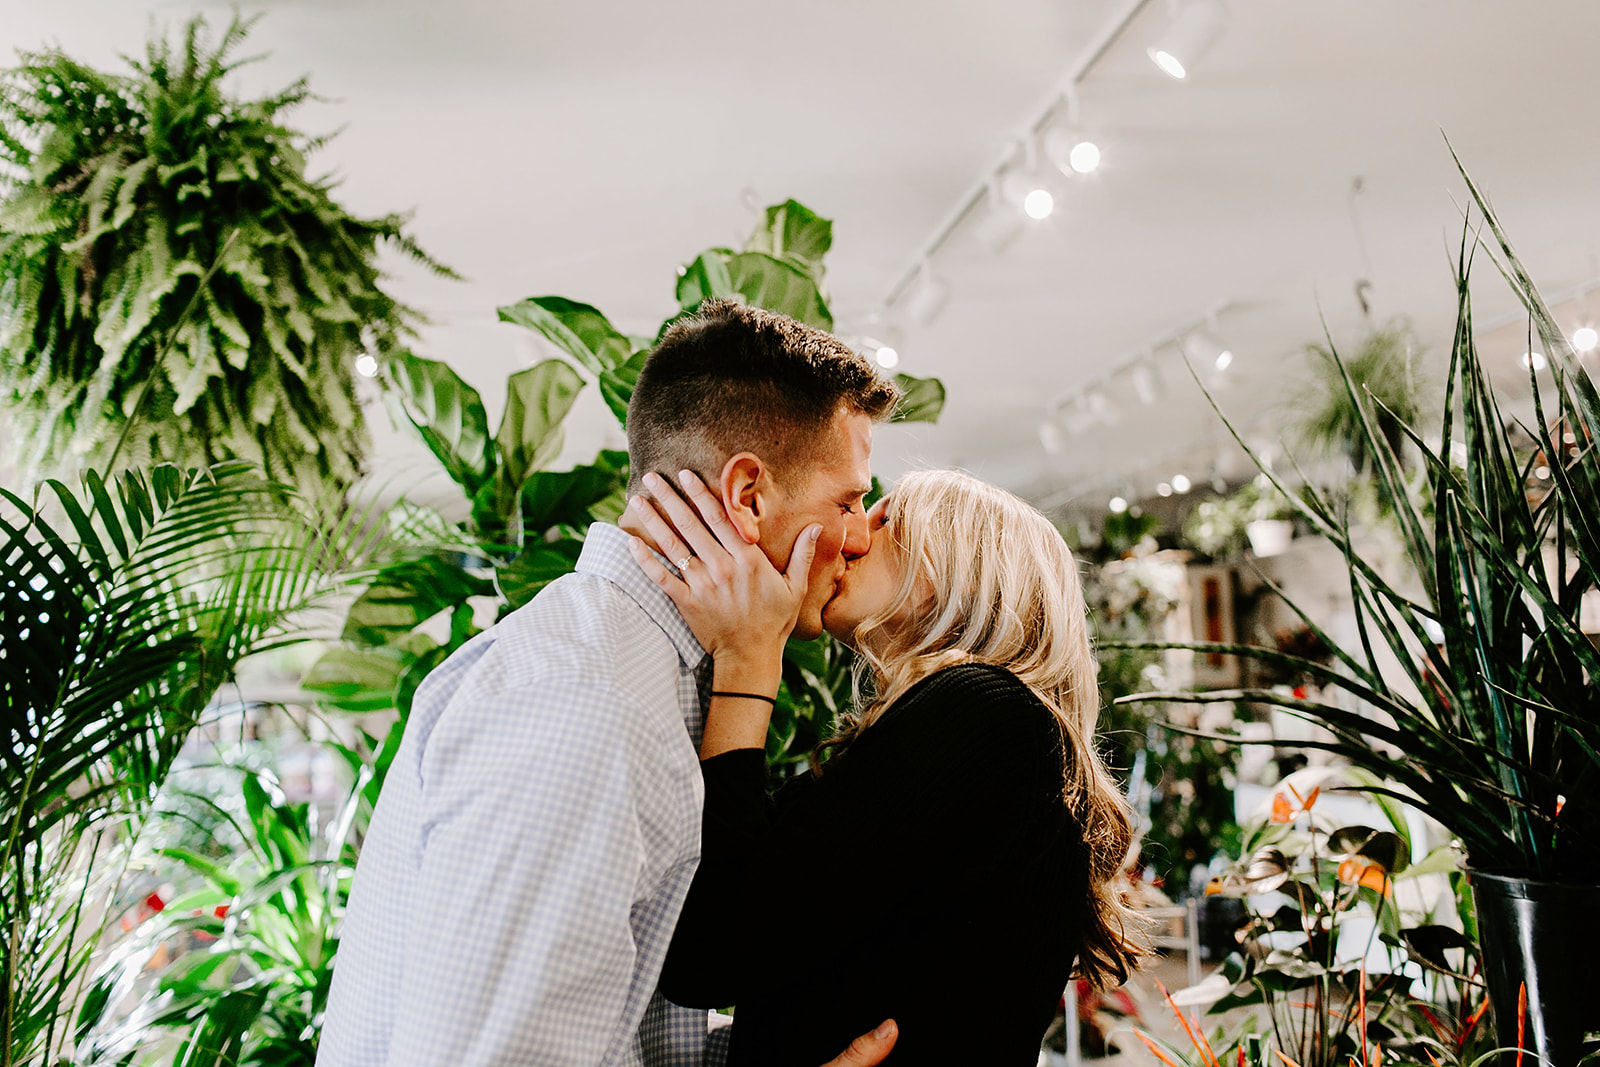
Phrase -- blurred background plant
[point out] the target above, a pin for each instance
(1494, 732)
(1329, 419)
(118, 625)
(167, 262)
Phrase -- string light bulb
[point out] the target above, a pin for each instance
(366, 366)
(1585, 339)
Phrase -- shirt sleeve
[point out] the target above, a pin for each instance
(522, 950)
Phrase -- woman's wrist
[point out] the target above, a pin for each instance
(747, 672)
(743, 692)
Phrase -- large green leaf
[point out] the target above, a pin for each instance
(448, 413)
(536, 567)
(576, 497)
(537, 400)
(704, 279)
(762, 280)
(791, 229)
(778, 285)
(616, 385)
(577, 329)
(923, 400)
(357, 679)
(404, 594)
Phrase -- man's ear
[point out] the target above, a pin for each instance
(746, 494)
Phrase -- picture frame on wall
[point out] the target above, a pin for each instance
(1211, 604)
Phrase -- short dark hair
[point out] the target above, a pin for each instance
(736, 378)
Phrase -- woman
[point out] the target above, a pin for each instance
(958, 850)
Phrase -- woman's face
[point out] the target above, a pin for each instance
(869, 585)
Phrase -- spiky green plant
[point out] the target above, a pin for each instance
(129, 199)
(118, 623)
(1497, 732)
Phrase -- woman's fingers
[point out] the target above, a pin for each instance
(712, 511)
(653, 570)
(805, 549)
(665, 537)
(701, 540)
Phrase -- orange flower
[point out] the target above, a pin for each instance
(1285, 812)
(1360, 871)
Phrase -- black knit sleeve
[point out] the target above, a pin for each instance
(708, 953)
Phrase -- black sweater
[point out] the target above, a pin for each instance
(932, 874)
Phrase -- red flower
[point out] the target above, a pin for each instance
(221, 911)
(154, 902)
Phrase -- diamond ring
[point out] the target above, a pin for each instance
(683, 564)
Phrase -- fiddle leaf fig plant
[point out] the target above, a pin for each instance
(527, 522)
(166, 260)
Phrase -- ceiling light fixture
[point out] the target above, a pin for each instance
(1192, 34)
(1050, 437)
(927, 297)
(1202, 348)
(1147, 384)
(1071, 150)
(1000, 224)
(1038, 204)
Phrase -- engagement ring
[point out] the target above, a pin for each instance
(683, 564)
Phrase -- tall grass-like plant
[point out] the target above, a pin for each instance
(119, 621)
(1501, 741)
(165, 259)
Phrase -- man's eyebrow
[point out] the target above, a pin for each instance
(854, 493)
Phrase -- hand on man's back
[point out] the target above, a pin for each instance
(869, 1048)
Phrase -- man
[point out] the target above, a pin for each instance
(540, 825)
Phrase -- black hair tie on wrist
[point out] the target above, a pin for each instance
(748, 696)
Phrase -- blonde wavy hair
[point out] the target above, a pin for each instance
(988, 580)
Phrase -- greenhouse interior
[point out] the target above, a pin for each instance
(1052, 532)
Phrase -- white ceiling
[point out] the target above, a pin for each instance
(587, 149)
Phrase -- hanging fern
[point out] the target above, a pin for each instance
(119, 194)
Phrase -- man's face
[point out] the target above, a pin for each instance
(840, 478)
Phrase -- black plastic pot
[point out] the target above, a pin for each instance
(1539, 933)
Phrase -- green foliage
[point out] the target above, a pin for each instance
(1186, 782)
(1216, 526)
(527, 523)
(248, 942)
(1321, 902)
(117, 626)
(1496, 733)
(1331, 417)
(165, 259)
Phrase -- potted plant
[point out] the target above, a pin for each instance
(166, 260)
(1497, 733)
(119, 621)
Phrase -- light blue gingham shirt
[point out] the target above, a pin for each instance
(536, 836)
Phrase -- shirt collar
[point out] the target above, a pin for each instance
(605, 554)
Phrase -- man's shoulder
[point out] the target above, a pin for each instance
(585, 616)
